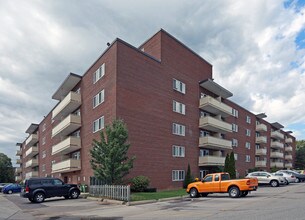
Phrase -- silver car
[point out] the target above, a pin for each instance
(267, 178)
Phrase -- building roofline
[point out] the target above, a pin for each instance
(61, 91)
(217, 89)
(32, 128)
(277, 125)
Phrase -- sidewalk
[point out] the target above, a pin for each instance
(8, 210)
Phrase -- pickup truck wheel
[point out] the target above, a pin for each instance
(193, 193)
(234, 192)
(274, 183)
(243, 194)
(204, 194)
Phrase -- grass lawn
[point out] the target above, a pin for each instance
(157, 195)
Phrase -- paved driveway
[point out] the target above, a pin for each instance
(286, 202)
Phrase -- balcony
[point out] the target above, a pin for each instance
(288, 165)
(67, 126)
(18, 178)
(31, 163)
(276, 155)
(66, 166)
(288, 157)
(261, 127)
(277, 135)
(288, 140)
(31, 140)
(68, 145)
(214, 106)
(212, 124)
(18, 161)
(261, 140)
(32, 151)
(288, 149)
(211, 161)
(261, 151)
(18, 170)
(260, 163)
(31, 174)
(214, 143)
(277, 145)
(277, 164)
(18, 153)
(68, 105)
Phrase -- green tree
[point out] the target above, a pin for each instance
(6, 169)
(188, 178)
(232, 170)
(227, 162)
(300, 155)
(109, 159)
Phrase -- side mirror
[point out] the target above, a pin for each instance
(268, 176)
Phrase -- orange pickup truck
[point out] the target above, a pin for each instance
(221, 183)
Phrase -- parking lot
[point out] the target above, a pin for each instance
(285, 202)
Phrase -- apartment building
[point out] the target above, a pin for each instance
(175, 112)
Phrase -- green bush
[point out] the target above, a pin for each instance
(139, 183)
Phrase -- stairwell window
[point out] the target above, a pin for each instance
(178, 175)
(179, 86)
(98, 124)
(178, 129)
(178, 107)
(99, 98)
(178, 151)
(99, 73)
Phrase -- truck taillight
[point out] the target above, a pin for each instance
(248, 182)
(27, 189)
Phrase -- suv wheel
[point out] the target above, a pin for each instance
(39, 197)
(74, 194)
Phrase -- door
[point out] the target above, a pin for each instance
(60, 188)
(207, 184)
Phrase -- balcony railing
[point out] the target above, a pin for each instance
(288, 149)
(214, 106)
(67, 126)
(66, 166)
(277, 164)
(213, 124)
(18, 178)
(18, 170)
(18, 153)
(261, 151)
(31, 174)
(276, 155)
(18, 161)
(288, 157)
(261, 163)
(31, 163)
(68, 105)
(277, 135)
(215, 143)
(288, 165)
(261, 127)
(277, 145)
(31, 140)
(32, 151)
(211, 161)
(261, 140)
(66, 146)
(288, 140)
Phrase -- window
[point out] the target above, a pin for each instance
(44, 154)
(98, 124)
(204, 133)
(177, 175)
(99, 98)
(178, 151)
(99, 73)
(248, 119)
(178, 107)
(247, 158)
(43, 140)
(178, 86)
(248, 145)
(76, 155)
(178, 129)
(44, 127)
(43, 167)
(234, 127)
(236, 156)
(208, 179)
(235, 113)
(248, 132)
(234, 142)
(203, 152)
(216, 178)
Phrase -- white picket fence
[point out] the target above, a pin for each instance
(111, 191)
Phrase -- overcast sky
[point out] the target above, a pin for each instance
(256, 48)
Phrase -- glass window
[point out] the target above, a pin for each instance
(178, 107)
(178, 151)
(99, 98)
(178, 86)
(178, 129)
(99, 73)
(98, 124)
(208, 178)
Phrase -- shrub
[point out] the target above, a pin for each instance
(139, 183)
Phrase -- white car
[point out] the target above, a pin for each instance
(289, 177)
(267, 178)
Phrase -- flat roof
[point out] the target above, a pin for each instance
(210, 85)
(33, 127)
(68, 84)
(277, 125)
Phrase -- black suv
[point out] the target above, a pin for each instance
(38, 189)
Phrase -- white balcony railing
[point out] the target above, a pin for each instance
(213, 124)
(18, 161)
(32, 151)
(261, 151)
(288, 140)
(288, 165)
(68, 105)
(288, 149)
(31, 140)
(261, 140)
(31, 174)
(18, 170)
(31, 163)
(277, 135)
(67, 126)
(18, 178)
(67, 146)
(261, 127)
(288, 157)
(277, 164)
(18, 153)
(261, 163)
(214, 106)
(215, 143)
(211, 161)
(66, 166)
(276, 155)
(276, 144)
